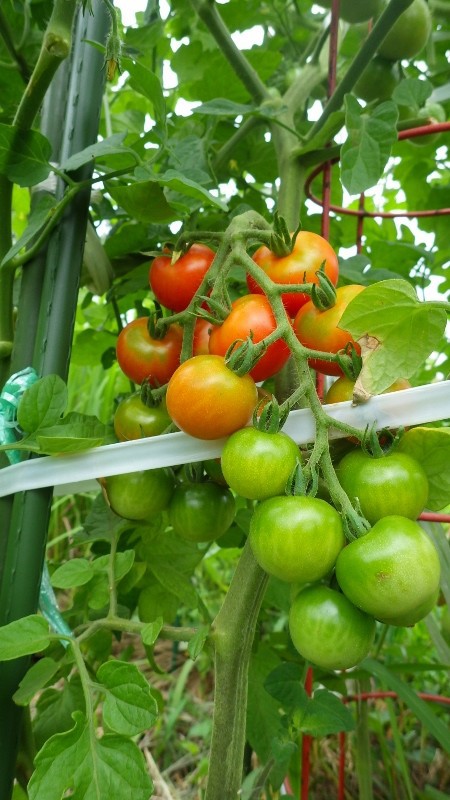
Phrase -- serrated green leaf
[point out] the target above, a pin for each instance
(76, 572)
(324, 713)
(284, 685)
(54, 709)
(175, 582)
(144, 81)
(145, 201)
(35, 679)
(42, 404)
(412, 92)
(222, 107)
(23, 637)
(24, 155)
(180, 183)
(101, 523)
(129, 707)
(123, 562)
(108, 146)
(365, 153)
(90, 767)
(151, 630)
(39, 215)
(431, 448)
(73, 434)
(396, 332)
(431, 722)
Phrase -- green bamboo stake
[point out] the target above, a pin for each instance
(54, 330)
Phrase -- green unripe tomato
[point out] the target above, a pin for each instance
(392, 572)
(296, 539)
(409, 34)
(256, 464)
(139, 495)
(328, 630)
(384, 486)
(134, 420)
(355, 10)
(378, 80)
(430, 113)
(201, 512)
(342, 389)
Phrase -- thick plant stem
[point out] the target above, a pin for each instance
(233, 633)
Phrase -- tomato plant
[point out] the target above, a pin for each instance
(207, 400)
(257, 464)
(409, 34)
(392, 572)
(310, 252)
(133, 419)
(174, 285)
(201, 512)
(297, 539)
(328, 630)
(319, 330)
(142, 356)
(383, 486)
(139, 495)
(251, 315)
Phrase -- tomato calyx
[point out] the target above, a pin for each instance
(272, 416)
(242, 354)
(323, 293)
(281, 241)
(303, 481)
(349, 361)
(195, 473)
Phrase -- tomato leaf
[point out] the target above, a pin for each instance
(151, 630)
(108, 146)
(396, 333)
(412, 92)
(73, 434)
(322, 714)
(76, 572)
(24, 155)
(129, 707)
(197, 642)
(144, 201)
(35, 679)
(431, 448)
(23, 637)
(284, 685)
(42, 404)
(370, 138)
(89, 766)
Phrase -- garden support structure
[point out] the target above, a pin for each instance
(46, 314)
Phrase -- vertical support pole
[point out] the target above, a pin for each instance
(80, 96)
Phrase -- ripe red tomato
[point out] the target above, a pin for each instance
(208, 400)
(392, 572)
(134, 420)
(174, 285)
(200, 345)
(310, 251)
(319, 330)
(251, 314)
(141, 357)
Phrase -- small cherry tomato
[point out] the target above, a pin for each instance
(300, 266)
(296, 539)
(142, 357)
(202, 330)
(319, 330)
(342, 389)
(392, 572)
(139, 495)
(393, 484)
(208, 400)
(328, 630)
(174, 285)
(201, 512)
(251, 314)
(134, 420)
(256, 464)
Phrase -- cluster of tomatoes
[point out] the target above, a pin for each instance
(390, 574)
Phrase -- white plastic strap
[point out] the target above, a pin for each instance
(77, 472)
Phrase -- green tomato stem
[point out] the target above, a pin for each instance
(233, 633)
